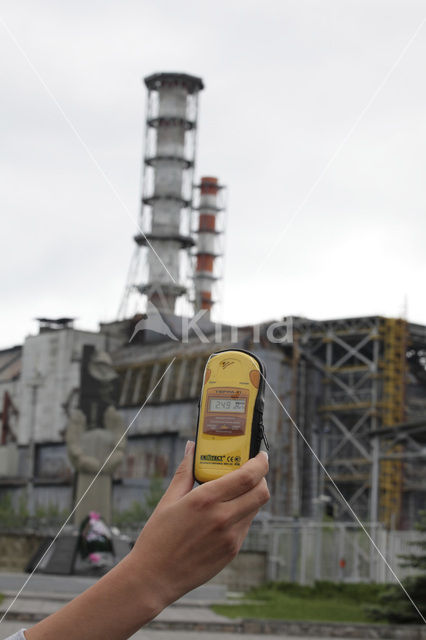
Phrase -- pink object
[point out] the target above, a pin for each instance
(94, 557)
(94, 515)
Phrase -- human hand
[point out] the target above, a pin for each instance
(189, 538)
(192, 535)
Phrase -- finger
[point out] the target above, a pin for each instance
(244, 526)
(250, 502)
(183, 480)
(238, 482)
(241, 529)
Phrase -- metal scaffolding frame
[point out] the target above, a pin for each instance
(362, 362)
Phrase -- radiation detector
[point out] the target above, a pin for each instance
(230, 414)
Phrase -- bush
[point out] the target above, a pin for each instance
(138, 513)
(9, 517)
(393, 605)
(52, 513)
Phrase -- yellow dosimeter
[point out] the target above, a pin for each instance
(230, 417)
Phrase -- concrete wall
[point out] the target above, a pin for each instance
(150, 456)
(173, 417)
(16, 550)
(56, 355)
(9, 460)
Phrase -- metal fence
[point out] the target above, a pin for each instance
(305, 551)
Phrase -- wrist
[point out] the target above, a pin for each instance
(142, 588)
(155, 587)
(155, 591)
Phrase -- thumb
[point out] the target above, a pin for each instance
(183, 480)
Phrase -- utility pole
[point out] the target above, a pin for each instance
(34, 383)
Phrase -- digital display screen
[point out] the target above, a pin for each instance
(229, 405)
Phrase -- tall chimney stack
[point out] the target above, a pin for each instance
(207, 250)
(169, 157)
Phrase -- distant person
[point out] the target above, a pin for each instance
(190, 537)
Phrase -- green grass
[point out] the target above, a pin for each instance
(324, 602)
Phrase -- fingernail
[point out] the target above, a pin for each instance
(188, 447)
(265, 453)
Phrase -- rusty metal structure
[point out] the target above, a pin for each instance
(367, 384)
(208, 232)
(394, 333)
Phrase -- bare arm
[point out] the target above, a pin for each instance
(189, 538)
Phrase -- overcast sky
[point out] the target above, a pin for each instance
(285, 83)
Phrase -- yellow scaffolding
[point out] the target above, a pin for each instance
(394, 334)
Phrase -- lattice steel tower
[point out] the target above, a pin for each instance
(160, 264)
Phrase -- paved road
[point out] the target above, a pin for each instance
(73, 585)
(39, 582)
(7, 628)
(46, 594)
